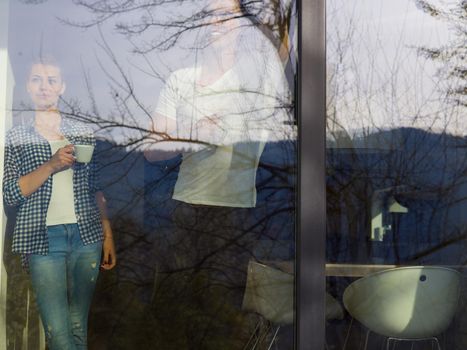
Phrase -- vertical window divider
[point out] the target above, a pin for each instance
(311, 283)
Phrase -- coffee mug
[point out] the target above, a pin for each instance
(83, 153)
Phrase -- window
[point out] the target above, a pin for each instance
(183, 123)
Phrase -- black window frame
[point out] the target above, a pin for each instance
(311, 104)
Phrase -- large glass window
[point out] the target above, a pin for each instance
(182, 119)
(396, 173)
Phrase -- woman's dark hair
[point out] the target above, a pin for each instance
(47, 60)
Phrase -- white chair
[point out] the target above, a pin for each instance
(409, 303)
(270, 293)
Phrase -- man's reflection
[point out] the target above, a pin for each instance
(219, 114)
(222, 111)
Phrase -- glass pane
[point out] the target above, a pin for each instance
(165, 129)
(396, 173)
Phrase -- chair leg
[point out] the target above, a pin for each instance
(383, 344)
(347, 335)
(253, 335)
(394, 340)
(388, 343)
(262, 336)
(366, 339)
(274, 337)
(259, 334)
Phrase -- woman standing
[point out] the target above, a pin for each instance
(62, 228)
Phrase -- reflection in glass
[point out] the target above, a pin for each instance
(192, 107)
(219, 113)
(396, 162)
(229, 104)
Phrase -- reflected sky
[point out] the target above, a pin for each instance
(97, 60)
(382, 83)
(376, 80)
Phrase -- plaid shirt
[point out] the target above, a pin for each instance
(25, 151)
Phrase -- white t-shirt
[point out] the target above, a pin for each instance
(250, 105)
(61, 208)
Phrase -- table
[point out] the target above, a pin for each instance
(351, 270)
(355, 270)
(360, 270)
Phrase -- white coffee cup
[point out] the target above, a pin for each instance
(83, 153)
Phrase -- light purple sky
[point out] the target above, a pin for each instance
(381, 82)
(386, 83)
(38, 27)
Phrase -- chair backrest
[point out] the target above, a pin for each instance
(409, 302)
(269, 292)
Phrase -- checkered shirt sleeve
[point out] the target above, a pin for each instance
(25, 151)
(11, 191)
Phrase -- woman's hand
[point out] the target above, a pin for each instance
(109, 257)
(62, 159)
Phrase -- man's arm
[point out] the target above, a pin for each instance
(108, 247)
(167, 143)
(163, 130)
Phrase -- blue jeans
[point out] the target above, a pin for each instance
(64, 282)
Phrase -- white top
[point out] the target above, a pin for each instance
(62, 201)
(247, 103)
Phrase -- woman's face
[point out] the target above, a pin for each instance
(45, 86)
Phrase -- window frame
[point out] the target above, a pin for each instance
(310, 242)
